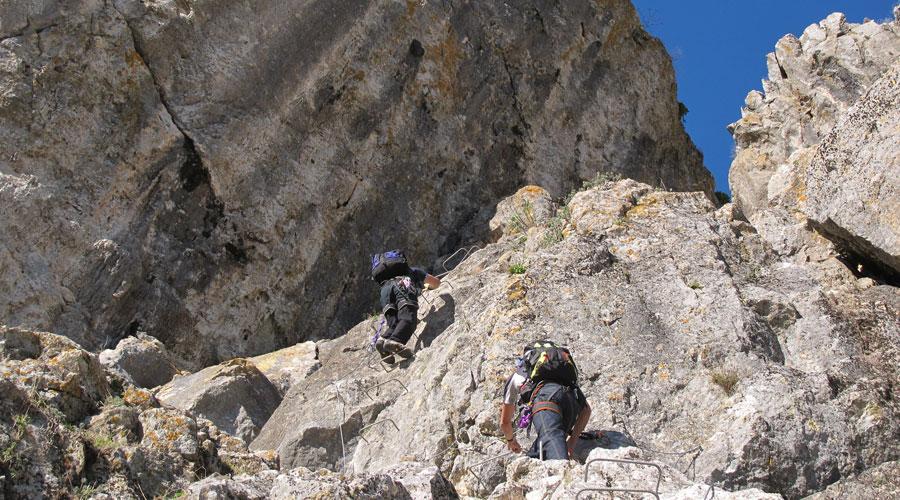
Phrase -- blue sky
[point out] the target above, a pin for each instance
(719, 48)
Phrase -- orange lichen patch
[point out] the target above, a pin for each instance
(532, 189)
(410, 7)
(615, 396)
(646, 206)
(663, 372)
(137, 397)
(447, 56)
(516, 290)
(134, 59)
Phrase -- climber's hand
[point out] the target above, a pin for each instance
(514, 446)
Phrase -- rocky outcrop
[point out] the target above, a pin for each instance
(216, 174)
(288, 366)
(813, 81)
(235, 396)
(853, 181)
(66, 431)
(141, 361)
(696, 344)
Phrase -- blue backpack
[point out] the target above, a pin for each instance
(389, 265)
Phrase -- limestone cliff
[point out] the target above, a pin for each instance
(217, 173)
(188, 183)
(816, 162)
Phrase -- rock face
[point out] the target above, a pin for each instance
(691, 335)
(880, 482)
(409, 481)
(853, 181)
(216, 174)
(235, 396)
(849, 194)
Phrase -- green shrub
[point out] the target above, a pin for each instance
(517, 269)
(695, 285)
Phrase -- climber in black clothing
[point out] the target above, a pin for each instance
(400, 306)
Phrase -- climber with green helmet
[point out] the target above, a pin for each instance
(545, 387)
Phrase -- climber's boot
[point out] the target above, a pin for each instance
(397, 348)
(383, 353)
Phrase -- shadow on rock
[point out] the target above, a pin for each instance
(600, 439)
(437, 320)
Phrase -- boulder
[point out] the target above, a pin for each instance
(53, 371)
(421, 481)
(235, 396)
(288, 366)
(140, 360)
(531, 206)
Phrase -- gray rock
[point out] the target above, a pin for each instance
(853, 181)
(229, 209)
(691, 336)
(812, 82)
(879, 482)
(141, 360)
(304, 483)
(288, 366)
(235, 396)
(218, 487)
(558, 479)
(531, 206)
(54, 372)
(422, 481)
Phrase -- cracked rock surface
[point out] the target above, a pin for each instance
(692, 336)
(216, 174)
(816, 162)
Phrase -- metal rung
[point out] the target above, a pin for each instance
(479, 464)
(381, 362)
(375, 423)
(468, 251)
(614, 490)
(655, 492)
(366, 390)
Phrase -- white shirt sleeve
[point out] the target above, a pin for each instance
(512, 389)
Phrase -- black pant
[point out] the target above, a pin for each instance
(553, 428)
(402, 325)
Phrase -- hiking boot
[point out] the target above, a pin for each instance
(383, 354)
(397, 348)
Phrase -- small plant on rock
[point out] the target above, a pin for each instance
(726, 379)
(522, 219)
(517, 269)
(695, 285)
(113, 401)
(11, 457)
(85, 491)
